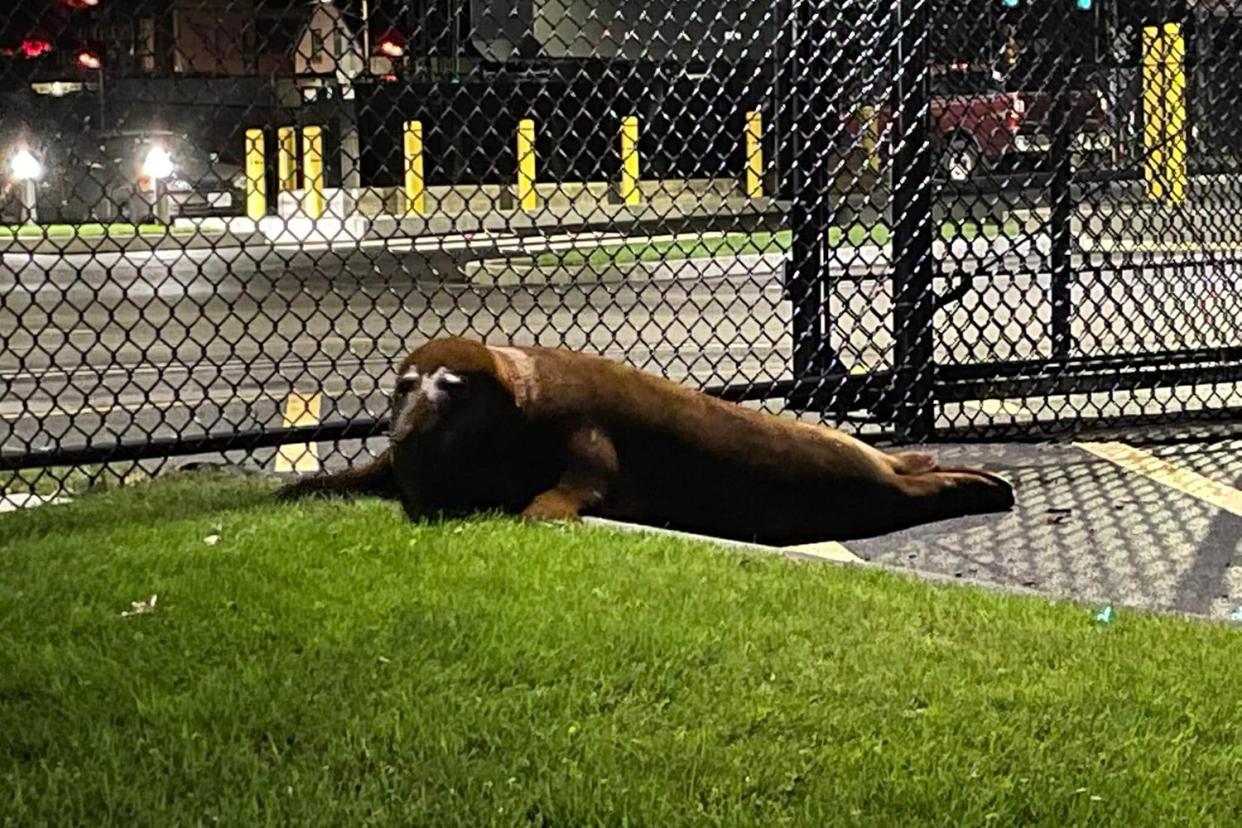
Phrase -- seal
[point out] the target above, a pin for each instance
(553, 434)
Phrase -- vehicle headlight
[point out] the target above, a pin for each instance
(157, 164)
(25, 166)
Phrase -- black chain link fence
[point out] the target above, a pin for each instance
(223, 220)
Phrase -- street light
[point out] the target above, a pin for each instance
(25, 168)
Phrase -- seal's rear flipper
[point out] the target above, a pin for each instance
(950, 493)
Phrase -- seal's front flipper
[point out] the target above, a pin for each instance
(591, 466)
(375, 478)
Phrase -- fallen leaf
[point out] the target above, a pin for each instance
(211, 540)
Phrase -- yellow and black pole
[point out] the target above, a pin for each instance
(754, 155)
(256, 176)
(287, 158)
(527, 198)
(1164, 112)
(312, 160)
(414, 190)
(630, 193)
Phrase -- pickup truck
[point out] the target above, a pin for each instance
(977, 122)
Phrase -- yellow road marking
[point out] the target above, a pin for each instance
(1175, 477)
(828, 551)
(300, 410)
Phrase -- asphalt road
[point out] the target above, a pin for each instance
(113, 346)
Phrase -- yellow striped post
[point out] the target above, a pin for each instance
(1164, 112)
(527, 199)
(871, 136)
(300, 410)
(629, 160)
(287, 158)
(754, 155)
(256, 183)
(313, 202)
(415, 184)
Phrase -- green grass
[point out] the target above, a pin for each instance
(62, 231)
(332, 664)
(744, 244)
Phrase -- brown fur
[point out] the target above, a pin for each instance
(555, 434)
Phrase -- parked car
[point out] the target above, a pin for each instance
(107, 177)
(978, 121)
(195, 182)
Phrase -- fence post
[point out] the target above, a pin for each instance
(415, 183)
(754, 155)
(312, 161)
(287, 158)
(913, 266)
(256, 176)
(1060, 186)
(630, 193)
(527, 198)
(814, 116)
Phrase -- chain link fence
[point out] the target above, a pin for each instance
(223, 220)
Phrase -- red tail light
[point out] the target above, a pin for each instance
(1017, 108)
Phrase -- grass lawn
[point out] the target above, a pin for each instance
(90, 231)
(744, 244)
(331, 664)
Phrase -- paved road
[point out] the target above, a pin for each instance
(108, 346)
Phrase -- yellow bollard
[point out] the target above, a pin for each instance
(629, 160)
(871, 136)
(415, 183)
(312, 182)
(256, 182)
(527, 198)
(287, 158)
(1164, 112)
(754, 155)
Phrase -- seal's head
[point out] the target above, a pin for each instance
(450, 384)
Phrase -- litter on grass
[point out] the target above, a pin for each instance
(140, 607)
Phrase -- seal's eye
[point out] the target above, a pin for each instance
(451, 380)
(407, 382)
